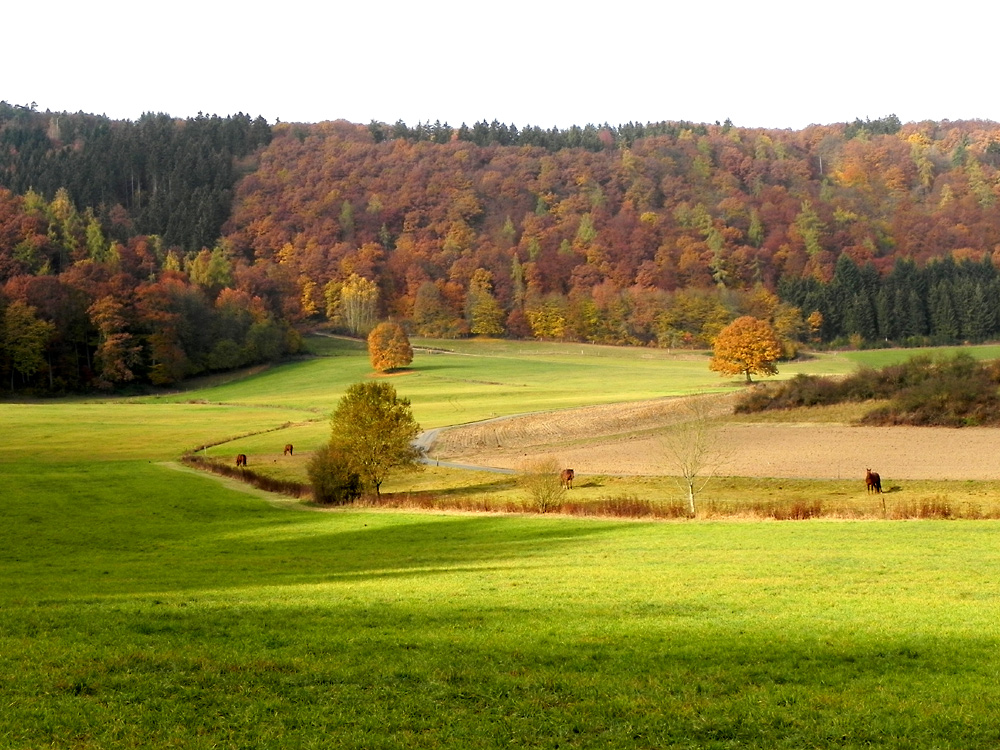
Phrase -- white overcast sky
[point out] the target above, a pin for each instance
(761, 63)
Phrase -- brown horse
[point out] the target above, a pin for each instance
(288, 449)
(241, 459)
(566, 478)
(873, 481)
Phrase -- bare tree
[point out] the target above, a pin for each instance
(693, 447)
(541, 479)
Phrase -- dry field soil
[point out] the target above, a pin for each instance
(621, 439)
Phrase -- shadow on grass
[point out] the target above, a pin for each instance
(463, 671)
(359, 546)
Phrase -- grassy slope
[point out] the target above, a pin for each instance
(461, 381)
(183, 614)
(145, 607)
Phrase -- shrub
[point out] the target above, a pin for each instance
(540, 478)
(333, 481)
(954, 392)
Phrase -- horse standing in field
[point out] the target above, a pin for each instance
(873, 481)
(241, 459)
(288, 449)
(566, 478)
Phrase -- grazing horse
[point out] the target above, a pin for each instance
(241, 459)
(566, 478)
(873, 481)
(288, 449)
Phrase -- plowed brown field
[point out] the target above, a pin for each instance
(622, 439)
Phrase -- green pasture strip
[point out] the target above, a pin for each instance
(123, 430)
(325, 345)
(312, 385)
(454, 382)
(467, 380)
(477, 379)
(160, 609)
(265, 451)
(877, 358)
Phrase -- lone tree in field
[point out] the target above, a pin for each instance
(692, 446)
(540, 479)
(746, 346)
(389, 347)
(374, 429)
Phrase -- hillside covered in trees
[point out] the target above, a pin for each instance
(154, 250)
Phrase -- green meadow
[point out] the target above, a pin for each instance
(147, 605)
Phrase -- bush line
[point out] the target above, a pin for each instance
(287, 487)
(955, 392)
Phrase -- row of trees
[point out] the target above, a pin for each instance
(690, 318)
(661, 235)
(158, 175)
(590, 137)
(943, 302)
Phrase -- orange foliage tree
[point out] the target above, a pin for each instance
(389, 347)
(746, 346)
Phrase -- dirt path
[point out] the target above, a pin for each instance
(621, 439)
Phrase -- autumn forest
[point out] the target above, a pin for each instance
(142, 253)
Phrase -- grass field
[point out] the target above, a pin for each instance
(477, 379)
(146, 606)
(881, 357)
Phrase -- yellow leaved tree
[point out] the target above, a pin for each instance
(746, 346)
(389, 347)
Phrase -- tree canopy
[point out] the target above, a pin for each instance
(220, 237)
(389, 347)
(747, 346)
(374, 429)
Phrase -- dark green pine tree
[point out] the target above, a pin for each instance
(943, 320)
(973, 310)
(867, 317)
(884, 323)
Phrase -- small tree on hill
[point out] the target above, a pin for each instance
(374, 429)
(746, 346)
(389, 347)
